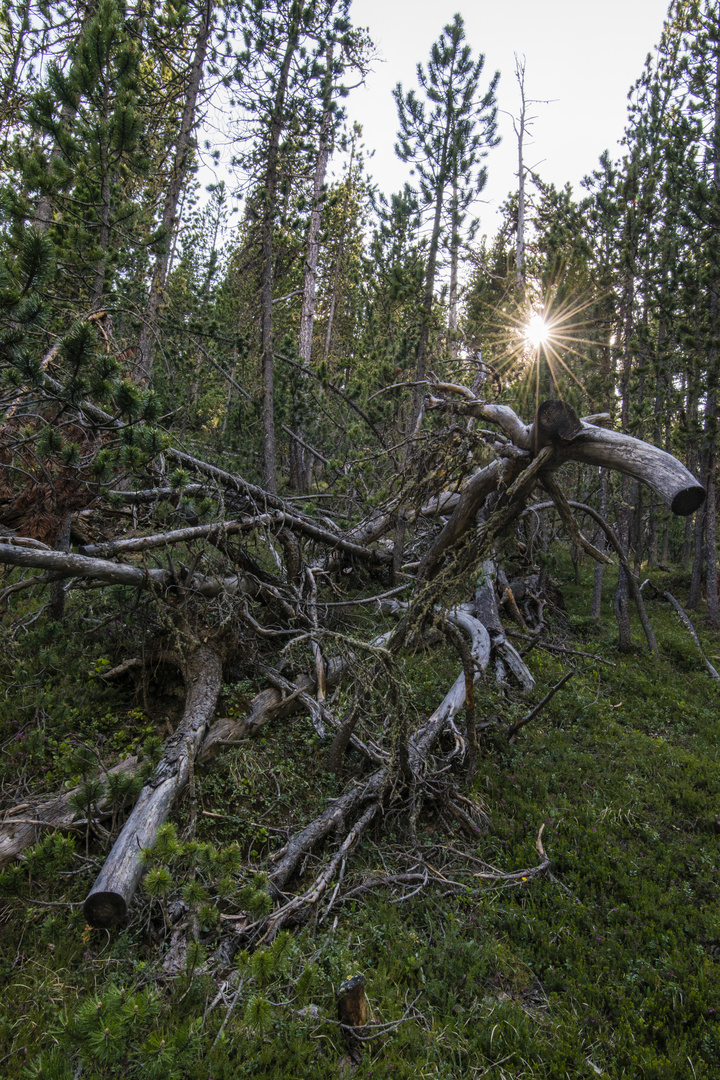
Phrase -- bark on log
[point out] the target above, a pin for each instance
(593, 445)
(555, 421)
(17, 834)
(352, 1010)
(106, 904)
(29, 822)
(271, 704)
(663, 473)
(199, 532)
(151, 495)
(81, 566)
(476, 491)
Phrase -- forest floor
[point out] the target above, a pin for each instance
(608, 964)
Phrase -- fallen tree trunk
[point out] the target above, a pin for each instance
(80, 566)
(485, 609)
(107, 902)
(579, 440)
(30, 820)
(663, 473)
(199, 532)
(24, 824)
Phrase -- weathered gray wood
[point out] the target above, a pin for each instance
(289, 858)
(30, 821)
(555, 421)
(662, 472)
(592, 445)
(471, 499)
(151, 495)
(81, 566)
(256, 521)
(18, 830)
(107, 902)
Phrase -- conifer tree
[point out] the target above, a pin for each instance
(445, 134)
(286, 85)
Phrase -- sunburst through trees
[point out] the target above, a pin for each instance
(545, 345)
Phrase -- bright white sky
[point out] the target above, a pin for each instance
(584, 54)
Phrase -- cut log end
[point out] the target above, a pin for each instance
(688, 500)
(105, 909)
(555, 421)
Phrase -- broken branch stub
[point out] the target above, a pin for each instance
(663, 473)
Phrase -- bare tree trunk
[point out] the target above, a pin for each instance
(711, 542)
(454, 259)
(267, 363)
(10, 80)
(105, 215)
(178, 176)
(599, 567)
(56, 608)
(713, 609)
(307, 311)
(46, 204)
(429, 290)
(519, 126)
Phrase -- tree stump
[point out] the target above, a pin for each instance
(352, 1008)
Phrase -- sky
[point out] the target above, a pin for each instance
(581, 57)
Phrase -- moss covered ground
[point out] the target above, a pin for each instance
(607, 966)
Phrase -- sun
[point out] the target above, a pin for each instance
(537, 331)
(543, 339)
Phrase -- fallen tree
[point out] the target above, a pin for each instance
(264, 614)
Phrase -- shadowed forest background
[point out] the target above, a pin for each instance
(358, 574)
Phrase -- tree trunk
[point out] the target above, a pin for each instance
(22, 827)
(429, 290)
(454, 261)
(107, 902)
(596, 607)
(520, 132)
(56, 608)
(312, 251)
(267, 362)
(181, 166)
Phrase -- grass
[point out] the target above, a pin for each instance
(610, 966)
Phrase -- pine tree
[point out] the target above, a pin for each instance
(283, 76)
(445, 134)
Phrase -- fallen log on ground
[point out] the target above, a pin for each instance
(19, 830)
(25, 823)
(81, 566)
(107, 902)
(220, 528)
(463, 541)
